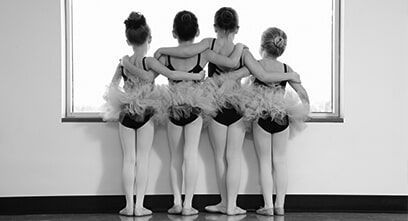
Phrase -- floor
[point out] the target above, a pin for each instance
(213, 217)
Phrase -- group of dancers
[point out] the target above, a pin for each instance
(227, 107)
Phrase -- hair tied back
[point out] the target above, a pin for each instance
(279, 41)
(135, 21)
(186, 17)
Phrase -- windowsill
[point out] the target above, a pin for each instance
(99, 120)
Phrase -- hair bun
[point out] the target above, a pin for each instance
(227, 16)
(278, 41)
(186, 17)
(135, 21)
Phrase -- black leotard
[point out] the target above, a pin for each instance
(196, 69)
(135, 121)
(275, 125)
(227, 115)
(195, 111)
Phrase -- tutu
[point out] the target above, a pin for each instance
(272, 101)
(141, 99)
(185, 98)
(227, 93)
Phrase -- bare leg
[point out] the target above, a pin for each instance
(144, 143)
(192, 134)
(263, 147)
(280, 170)
(128, 141)
(235, 140)
(218, 138)
(175, 138)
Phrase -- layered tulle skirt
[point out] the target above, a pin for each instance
(276, 103)
(186, 98)
(137, 102)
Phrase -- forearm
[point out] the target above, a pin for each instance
(271, 77)
(185, 51)
(138, 72)
(221, 60)
(238, 74)
(179, 75)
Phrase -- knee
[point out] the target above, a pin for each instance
(129, 159)
(190, 155)
(233, 155)
(265, 162)
(279, 160)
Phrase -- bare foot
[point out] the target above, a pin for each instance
(240, 211)
(219, 208)
(265, 211)
(279, 211)
(189, 211)
(141, 211)
(127, 211)
(235, 211)
(176, 209)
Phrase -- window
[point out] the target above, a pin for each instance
(95, 41)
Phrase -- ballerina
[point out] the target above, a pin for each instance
(272, 127)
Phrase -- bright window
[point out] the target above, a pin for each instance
(95, 42)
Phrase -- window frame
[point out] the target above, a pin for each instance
(68, 114)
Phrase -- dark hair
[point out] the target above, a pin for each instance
(137, 30)
(185, 25)
(273, 42)
(226, 18)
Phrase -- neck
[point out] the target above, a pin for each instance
(266, 56)
(139, 51)
(182, 43)
(227, 37)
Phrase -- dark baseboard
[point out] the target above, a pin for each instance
(160, 203)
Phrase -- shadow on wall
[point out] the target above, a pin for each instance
(250, 168)
(111, 158)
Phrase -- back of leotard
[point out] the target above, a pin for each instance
(214, 69)
(282, 83)
(136, 121)
(125, 78)
(196, 69)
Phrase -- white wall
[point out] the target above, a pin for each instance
(367, 154)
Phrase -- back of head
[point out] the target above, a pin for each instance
(273, 42)
(185, 25)
(137, 30)
(226, 19)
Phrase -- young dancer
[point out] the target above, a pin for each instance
(135, 107)
(271, 129)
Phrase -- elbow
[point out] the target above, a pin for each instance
(262, 77)
(171, 76)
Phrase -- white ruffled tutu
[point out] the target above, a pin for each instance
(185, 98)
(272, 101)
(141, 99)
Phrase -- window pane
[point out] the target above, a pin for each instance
(99, 41)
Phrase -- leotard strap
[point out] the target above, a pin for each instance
(144, 64)
(213, 43)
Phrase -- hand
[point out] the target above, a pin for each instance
(201, 75)
(118, 69)
(124, 58)
(240, 46)
(294, 77)
(157, 53)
